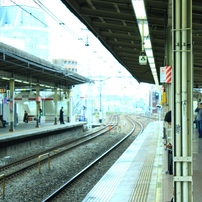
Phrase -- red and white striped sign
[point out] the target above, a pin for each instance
(168, 74)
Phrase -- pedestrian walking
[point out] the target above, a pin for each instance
(62, 116)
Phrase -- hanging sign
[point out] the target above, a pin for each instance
(142, 59)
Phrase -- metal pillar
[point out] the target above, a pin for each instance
(182, 99)
(168, 86)
(69, 105)
(90, 106)
(12, 100)
(37, 106)
(56, 104)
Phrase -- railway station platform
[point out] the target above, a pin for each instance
(30, 128)
(141, 172)
(27, 138)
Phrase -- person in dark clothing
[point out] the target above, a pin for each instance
(25, 119)
(61, 116)
(195, 120)
(199, 119)
(168, 117)
(2, 121)
(40, 114)
(169, 145)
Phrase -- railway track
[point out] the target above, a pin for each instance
(60, 193)
(78, 158)
(32, 161)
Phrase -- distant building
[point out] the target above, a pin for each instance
(66, 64)
(24, 26)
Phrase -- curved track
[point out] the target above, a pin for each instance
(57, 194)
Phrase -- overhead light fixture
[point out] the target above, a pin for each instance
(153, 66)
(147, 42)
(149, 52)
(26, 82)
(143, 25)
(5, 78)
(17, 80)
(139, 8)
(142, 55)
(151, 60)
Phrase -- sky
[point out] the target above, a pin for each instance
(73, 36)
(94, 61)
(68, 40)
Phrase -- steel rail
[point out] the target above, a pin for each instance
(74, 178)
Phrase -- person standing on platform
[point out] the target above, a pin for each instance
(168, 117)
(40, 114)
(25, 119)
(195, 120)
(62, 116)
(199, 120)
(2, 121)
(169, 145)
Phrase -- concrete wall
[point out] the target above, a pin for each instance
(21, 147)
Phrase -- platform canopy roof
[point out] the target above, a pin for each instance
(114, 23)
(28, 71)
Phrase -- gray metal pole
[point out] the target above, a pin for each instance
(182, 109)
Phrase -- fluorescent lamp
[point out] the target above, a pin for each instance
(25, 82)
(17, 80)
(149, 52)
(139, 8)
(141, 16)
(147, 43)
(153, 66)
(5, 78)
(153, 70)
(156, 81)
(151, 60)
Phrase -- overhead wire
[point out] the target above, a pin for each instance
(29, 13)
(54, 17)
(44, 8)
(61, 23)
